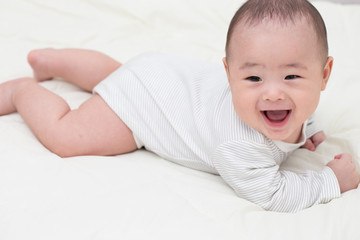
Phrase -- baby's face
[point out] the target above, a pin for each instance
(276, 74)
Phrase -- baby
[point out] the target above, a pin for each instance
(240, 123)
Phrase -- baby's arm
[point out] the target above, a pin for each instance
(252, 170)
(345, 172)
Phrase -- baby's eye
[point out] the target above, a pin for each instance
(291, 77)
(253, 79)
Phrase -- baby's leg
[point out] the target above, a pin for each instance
(84, 68)
(92, 129)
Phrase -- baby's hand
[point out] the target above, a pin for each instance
(314, 141)
(345, 172)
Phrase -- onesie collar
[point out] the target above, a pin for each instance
(289, 147)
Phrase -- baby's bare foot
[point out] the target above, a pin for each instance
(7, 90)
(39, 61)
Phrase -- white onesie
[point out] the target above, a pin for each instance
(182, 110)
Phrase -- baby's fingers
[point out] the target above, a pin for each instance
(318, 138)
(309, 145)
(344, 156)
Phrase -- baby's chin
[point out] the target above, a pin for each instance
(284, 136)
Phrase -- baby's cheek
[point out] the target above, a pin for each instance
(308, 106)
(245, 112)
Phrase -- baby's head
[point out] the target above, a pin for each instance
(284, 12)
(277, 64)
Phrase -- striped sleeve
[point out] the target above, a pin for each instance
(250, 169)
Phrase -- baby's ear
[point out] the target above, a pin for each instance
(225, 63)
(226, 67)
(327, 72)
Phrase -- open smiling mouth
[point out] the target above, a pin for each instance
(276, 118)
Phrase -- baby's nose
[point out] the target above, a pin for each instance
(273, 93)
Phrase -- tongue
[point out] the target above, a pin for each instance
(276, 116)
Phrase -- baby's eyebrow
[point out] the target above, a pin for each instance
(290, 65)
(294, 65)
(251, 65)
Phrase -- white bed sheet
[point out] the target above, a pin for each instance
(139, 195)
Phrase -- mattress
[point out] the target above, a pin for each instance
(140, 195)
